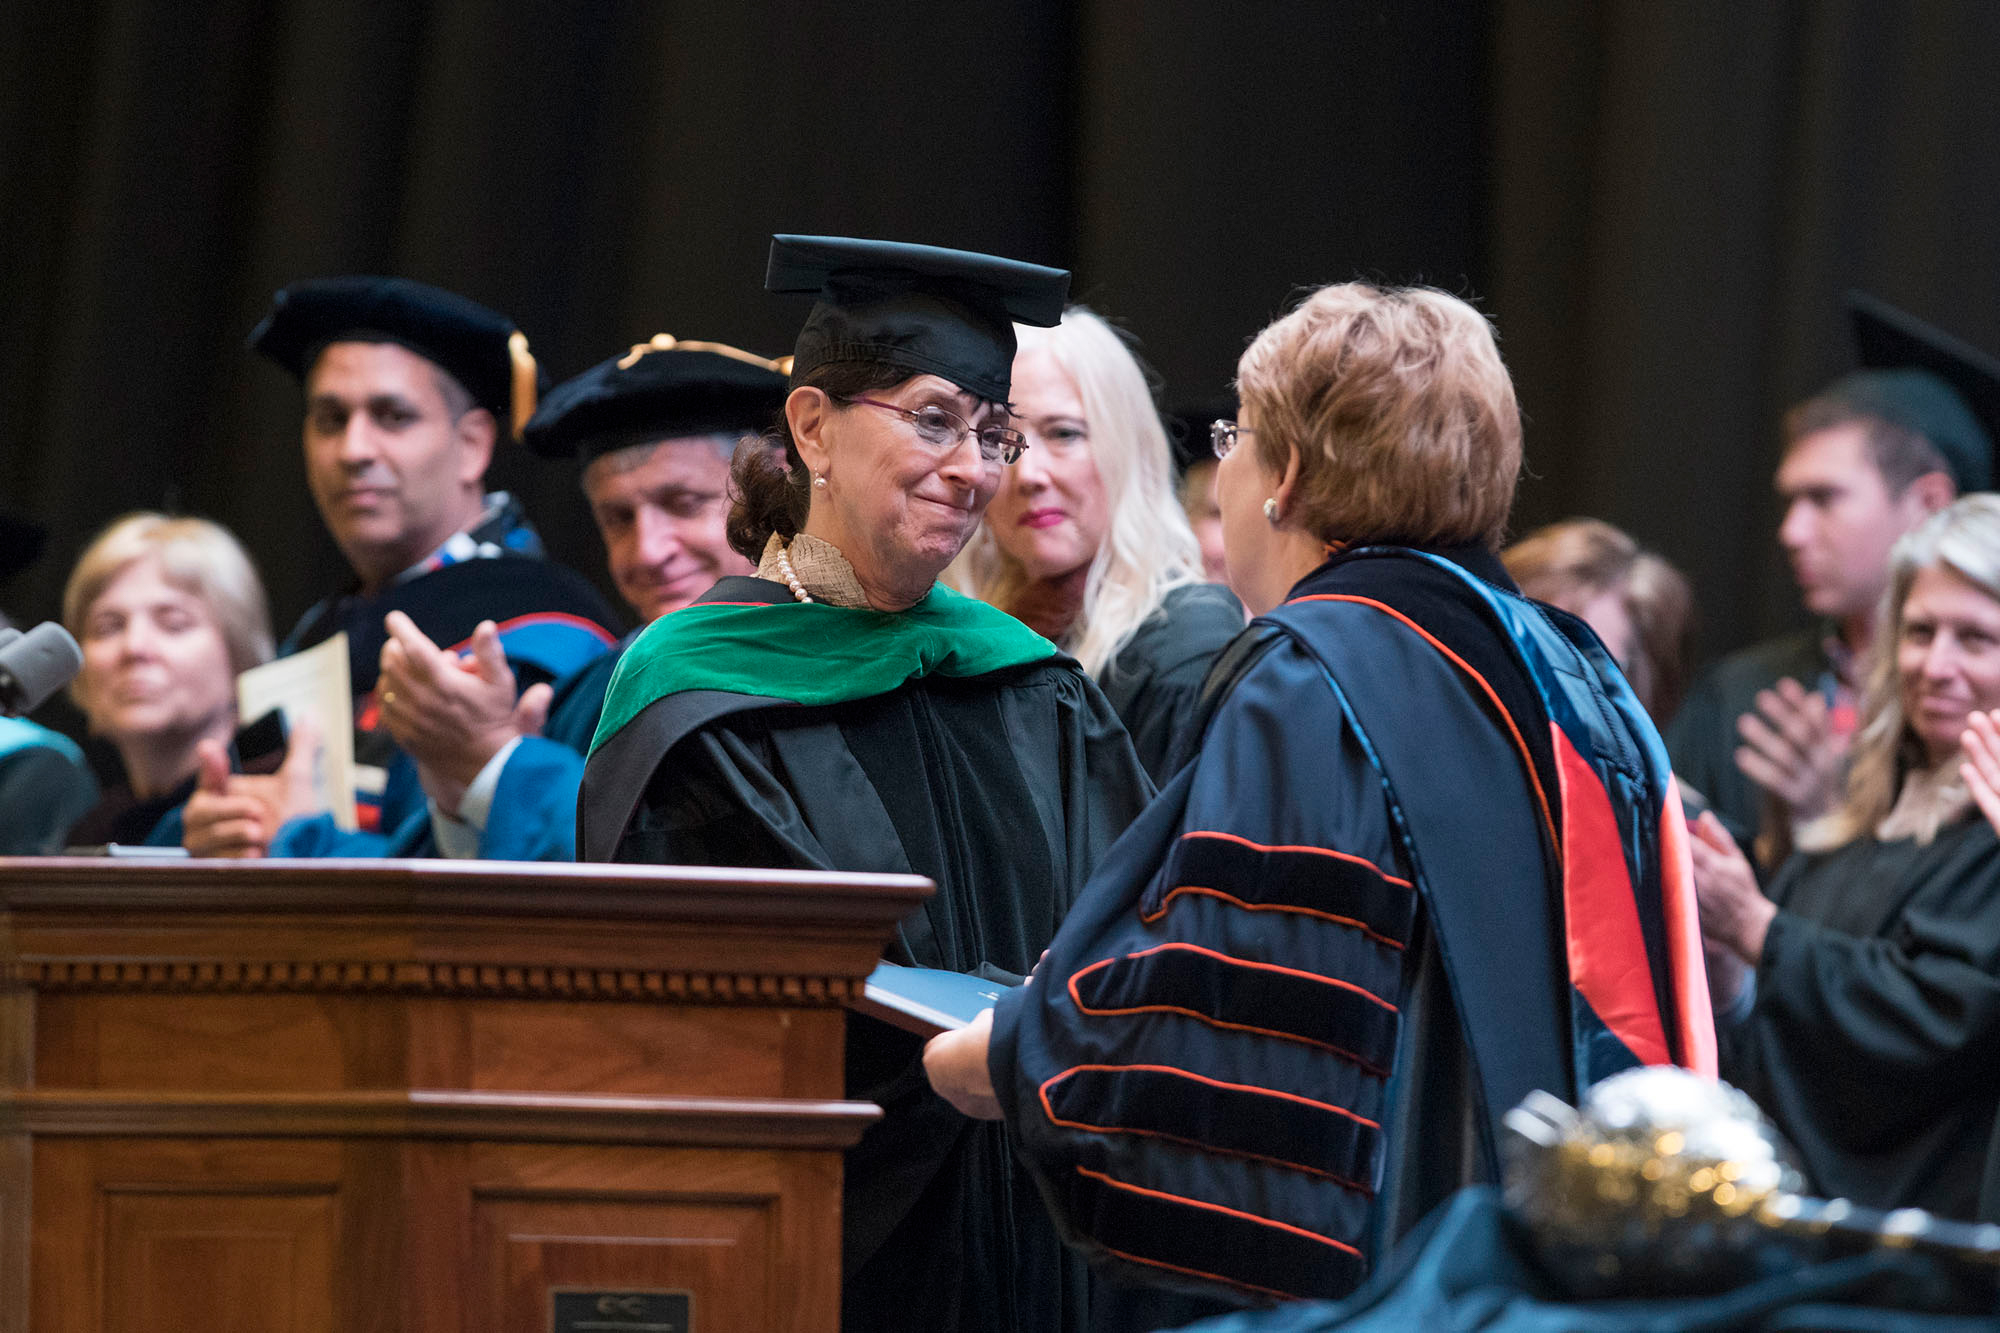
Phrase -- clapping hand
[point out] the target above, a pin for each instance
(452, 713)
(237, 814)
(1980, 766)
(1789, 749)
(1735, 914)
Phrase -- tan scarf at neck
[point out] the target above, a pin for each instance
(1930, 799)
(820, 568)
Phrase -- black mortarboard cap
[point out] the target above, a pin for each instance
(1924, 380)
(917, 307)
(481, 348)
(656, 391)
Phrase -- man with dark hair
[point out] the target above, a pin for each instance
(656, 428)
(408, 389)
(1763, 734)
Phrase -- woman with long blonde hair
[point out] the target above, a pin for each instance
(1086, 541)
(1861, 997)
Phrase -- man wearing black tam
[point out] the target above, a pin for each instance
(842, 711)
(656, 427)
(408, 390)
(1763, 732)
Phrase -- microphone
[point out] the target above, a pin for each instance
(35, 665)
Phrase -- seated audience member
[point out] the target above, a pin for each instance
(1763, 732)
(1640, 606)
(656, 428)
(167, 612)
(1860, 1000)
(45, 784)
(841, 711)
(1284, 1017)
(1086, 543)
(407, 391)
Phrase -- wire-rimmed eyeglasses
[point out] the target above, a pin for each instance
(1222, 436)
(945, 429)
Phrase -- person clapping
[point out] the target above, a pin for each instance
(1861, 997)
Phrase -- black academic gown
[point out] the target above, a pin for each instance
(1874, 1040)
(1005, 789)
(1154, 681)
(120, 816)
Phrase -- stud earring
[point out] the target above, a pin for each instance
(1271, 510)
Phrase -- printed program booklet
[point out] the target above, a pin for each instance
(314, 684)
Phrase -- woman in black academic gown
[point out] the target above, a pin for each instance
(841, 712)
(1859, 1003)
(1087, 542)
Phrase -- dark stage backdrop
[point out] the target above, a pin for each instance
(1658, 203)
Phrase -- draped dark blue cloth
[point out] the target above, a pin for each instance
(1282, 1021)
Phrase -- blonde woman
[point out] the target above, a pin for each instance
(1086, 541)
(167, 611)
(1862, 1010)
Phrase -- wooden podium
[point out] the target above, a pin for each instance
(426, 1096)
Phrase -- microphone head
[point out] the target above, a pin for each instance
(35, 665)
(8, 634)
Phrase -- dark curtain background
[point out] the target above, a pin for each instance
(1680, 195)
(1659, 204)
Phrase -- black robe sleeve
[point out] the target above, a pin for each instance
(1155, 681)
(1200, 1075)
(1874, 1048)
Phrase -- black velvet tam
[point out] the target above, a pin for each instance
(479, 347)
(657, 391)
(927, 310)
(1923, 379)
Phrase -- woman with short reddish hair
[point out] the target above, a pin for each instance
(1375, 909)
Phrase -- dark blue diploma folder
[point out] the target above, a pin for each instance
(925, 1000)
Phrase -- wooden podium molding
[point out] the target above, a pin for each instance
(306, 1096)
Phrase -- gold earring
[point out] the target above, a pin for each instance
(1271, 510)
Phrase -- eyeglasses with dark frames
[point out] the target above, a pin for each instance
(945, 429)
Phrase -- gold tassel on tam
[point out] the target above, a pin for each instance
(666, 342)
(524, 379)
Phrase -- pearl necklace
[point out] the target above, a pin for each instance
(791, 579)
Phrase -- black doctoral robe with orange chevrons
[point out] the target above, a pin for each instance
(1426, 860)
